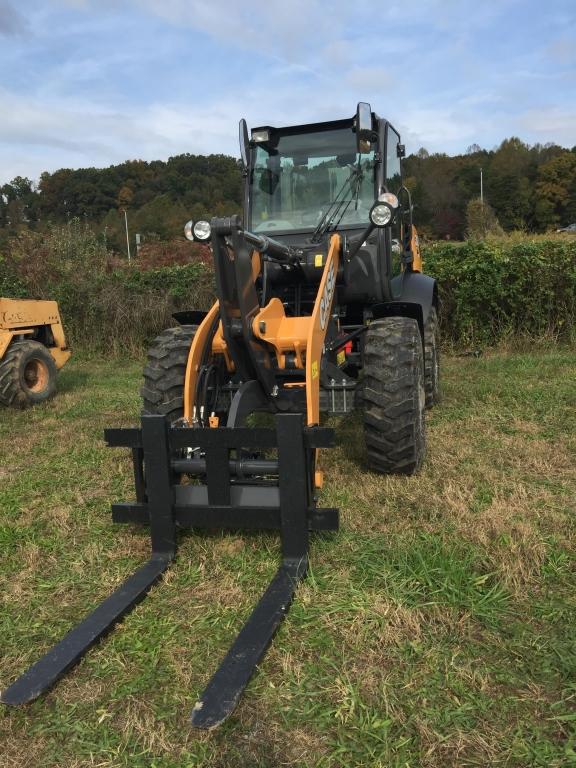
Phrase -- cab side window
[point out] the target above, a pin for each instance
(393, 184)
(393, 172)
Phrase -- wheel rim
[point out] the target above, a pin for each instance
(36, 375)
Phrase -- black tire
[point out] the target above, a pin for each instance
(432, 359)
(163, 390)
(27, 375)
(394, 396)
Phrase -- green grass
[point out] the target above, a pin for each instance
(435, 629)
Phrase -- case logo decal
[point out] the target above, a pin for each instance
(327, 296)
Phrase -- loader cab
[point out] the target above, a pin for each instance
(305, 182)
(297, 173)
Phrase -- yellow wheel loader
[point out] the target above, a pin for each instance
(322, 307)
(32, 350)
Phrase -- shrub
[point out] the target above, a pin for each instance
(491, 289)
(105, 307)
(68, 253)
(124, 310)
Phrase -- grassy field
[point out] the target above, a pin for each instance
(435, 629)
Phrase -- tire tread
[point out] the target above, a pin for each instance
(393, 376)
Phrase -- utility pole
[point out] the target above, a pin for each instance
(127, 235)
(481, 187)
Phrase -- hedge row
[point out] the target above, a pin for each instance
(505, 287)
(124, 311)
(488, 290)
(106, 305)
(121, 312)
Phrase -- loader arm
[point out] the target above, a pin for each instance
(255, 340)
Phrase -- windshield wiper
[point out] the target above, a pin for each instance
(355, 194)
(339, 205)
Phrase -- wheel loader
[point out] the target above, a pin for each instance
(321, 308)
(32, 350)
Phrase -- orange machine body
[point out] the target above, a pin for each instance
(302, 336)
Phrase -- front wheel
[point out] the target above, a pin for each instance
(394, 396)
(165, 371)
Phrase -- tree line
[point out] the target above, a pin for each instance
(159, 197)
(531, 188)
(527, 188)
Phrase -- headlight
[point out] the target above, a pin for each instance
(188, 230)
(202, 230)
(383, 209)
(380, 214)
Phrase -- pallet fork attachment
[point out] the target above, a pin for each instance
(224, 500)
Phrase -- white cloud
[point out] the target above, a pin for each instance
(557, 124)
(368, 80)
(282, 63)
(438, 129)
(38, 134)
(275, 27)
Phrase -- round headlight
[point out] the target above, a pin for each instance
(188, 230)
(380, 214)
(202, 230)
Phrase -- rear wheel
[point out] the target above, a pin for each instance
(394, 396)
(432, 359)
(165, 371)
(27, 375)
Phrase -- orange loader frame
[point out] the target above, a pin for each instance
(304, 336)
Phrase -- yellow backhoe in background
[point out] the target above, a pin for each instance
(32, 350)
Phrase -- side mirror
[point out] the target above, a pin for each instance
(244, 142)
(364, 130)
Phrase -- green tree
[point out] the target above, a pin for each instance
(481, 220)
(556, 191)
(509, 183)
(20, 203)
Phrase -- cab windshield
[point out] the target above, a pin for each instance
(296, 178)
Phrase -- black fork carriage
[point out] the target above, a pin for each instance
(238, 490)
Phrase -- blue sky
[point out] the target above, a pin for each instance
(95, 82)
